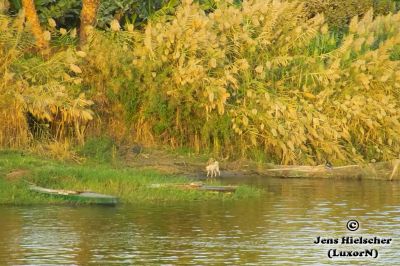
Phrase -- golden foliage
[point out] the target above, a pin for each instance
(338, 13)
(88, 18)
(4, 6)
(33, 20)
(59, 150)
(260, 78)
(42, 87)
(278, 77)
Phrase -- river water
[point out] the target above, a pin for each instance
(279, 228)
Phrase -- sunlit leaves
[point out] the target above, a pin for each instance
(257, 76)
(46, 87)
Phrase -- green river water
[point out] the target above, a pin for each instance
(279, 228)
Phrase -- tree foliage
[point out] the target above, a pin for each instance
(246, 78)
(46, 88)
(338, 13)
(239, 79)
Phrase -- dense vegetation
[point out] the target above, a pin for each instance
(287, 82)
(338, 13)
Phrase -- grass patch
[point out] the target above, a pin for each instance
(100, 149)
(129, 184)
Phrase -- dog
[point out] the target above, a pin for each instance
(213, 169)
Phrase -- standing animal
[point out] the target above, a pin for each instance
(213, 169)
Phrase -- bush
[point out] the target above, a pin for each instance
(44, 86)
(338, 13)
(102, 149)
(264, 76)
(261, 78)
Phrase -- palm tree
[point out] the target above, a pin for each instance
(88, 17)
(33, 19)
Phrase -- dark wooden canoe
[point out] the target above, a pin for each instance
(219, 188)
(197, 186)
(86, 197)
(380, 170)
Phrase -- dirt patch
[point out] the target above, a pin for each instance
(191, 166)
(17, 174)
(194, 166)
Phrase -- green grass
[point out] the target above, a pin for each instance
(129, 184)
(98, 149)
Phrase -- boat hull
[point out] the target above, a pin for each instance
(84, 197)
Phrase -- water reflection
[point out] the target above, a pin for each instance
(278, 228)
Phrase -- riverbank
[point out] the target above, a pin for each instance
(193, 165)
(129, 183)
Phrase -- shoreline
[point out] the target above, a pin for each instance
(130, 185)
(195, 168)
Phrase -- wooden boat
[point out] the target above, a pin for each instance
(198, 186)
(380, 170)
(86, 197)
(219, 188)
